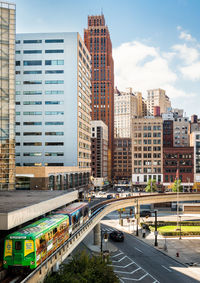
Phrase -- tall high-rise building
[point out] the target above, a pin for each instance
(97, 39)
(52, 100)
(157, 97)
(125, 109)
(7, 92)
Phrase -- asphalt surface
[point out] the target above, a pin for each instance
(136, 261)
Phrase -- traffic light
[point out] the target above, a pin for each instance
(105, 237)
(131, 211)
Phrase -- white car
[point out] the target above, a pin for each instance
(119, 190)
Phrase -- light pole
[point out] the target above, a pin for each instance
(156, 230)
(180, 228)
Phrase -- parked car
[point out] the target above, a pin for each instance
(145, 213)
(109, 196)
(117, 236)
(119, 190)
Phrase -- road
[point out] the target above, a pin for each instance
(137, 261)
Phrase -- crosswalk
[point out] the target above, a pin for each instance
(107, 229)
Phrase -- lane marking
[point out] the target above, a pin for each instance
(166, 268)
(139, 250)
(117, 254)
(135, 279)
(128, 272)
(120, 259)
(124, 265)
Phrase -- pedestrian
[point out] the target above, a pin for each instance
(143, 232)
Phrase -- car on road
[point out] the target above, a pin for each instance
(117, 236)
(109, 196)
(145, 213)
(119, 190)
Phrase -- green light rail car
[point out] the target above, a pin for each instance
(31, 245)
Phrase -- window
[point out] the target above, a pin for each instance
(32, 144)
(17, 51)
(54, 123)
(54, 92)
(54, 153)
(54, 51)
(54, 102)
(33, 63)
(54, 133)
(55, 82)
(17, 41)
(32, 123)
(32, 154)
(32, 92)
(17, 63)
(54, 72)
(54, 112)
(32, 82)
(32, 102)
(32, 113)
(54, 143)
(18, 245)
(32, 72)
(31, 41)
(32, 51)
(54, 41)
(54, 62)
(32, 133)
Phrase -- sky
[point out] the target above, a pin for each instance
(156, 43)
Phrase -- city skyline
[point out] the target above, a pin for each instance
(154, 45)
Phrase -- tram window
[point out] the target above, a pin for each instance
(86, 211)
(54, 230)
(18, 245)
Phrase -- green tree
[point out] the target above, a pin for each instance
(151, 186)
(177, 186)
(84, 269)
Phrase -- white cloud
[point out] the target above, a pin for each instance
(187, 54)
(185, 35)
(191, 72)
(141, 66)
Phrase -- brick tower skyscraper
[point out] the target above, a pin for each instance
(97, 39)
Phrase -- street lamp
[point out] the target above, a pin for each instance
(180, 228)
(156, 230)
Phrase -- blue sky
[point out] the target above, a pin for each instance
(156, 43)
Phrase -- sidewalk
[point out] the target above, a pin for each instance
(188, 248)
(88, 242)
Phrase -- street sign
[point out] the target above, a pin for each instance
(156, 233)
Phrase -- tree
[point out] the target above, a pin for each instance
(177, 186)
(84, 269)
(151, 186)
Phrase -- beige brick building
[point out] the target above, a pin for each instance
(157, 97)
(147, 150)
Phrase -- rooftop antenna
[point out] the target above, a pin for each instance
(102, 11)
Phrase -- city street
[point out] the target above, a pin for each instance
(136, 261)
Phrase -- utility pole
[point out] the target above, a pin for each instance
(137, 219)
(156, 230)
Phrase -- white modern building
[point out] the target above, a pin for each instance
(52, 100)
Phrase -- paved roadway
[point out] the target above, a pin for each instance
(136, 261)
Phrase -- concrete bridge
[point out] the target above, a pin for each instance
(99, 211)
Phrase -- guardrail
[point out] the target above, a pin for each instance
(98, 212)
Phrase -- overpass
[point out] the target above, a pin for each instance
(98, 212)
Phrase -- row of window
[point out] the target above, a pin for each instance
(39, 92)
(40, 123)
(37, 72)
(147, 155)
(40, 144)
(147, 170)
(38, 102)
(147, 128)
(40, 51)
(149, 135)
(40, 134)
(35, 41)
(40, 154)
(40, 113)
(40, 82)
(39, 62)
(40, 164)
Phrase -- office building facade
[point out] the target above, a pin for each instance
(97, 39)
(7, 92)
(99, 155)
(147, 150)
(52, 100)
(125, 109)
(157, 97)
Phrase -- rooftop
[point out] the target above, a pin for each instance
(18, 207)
